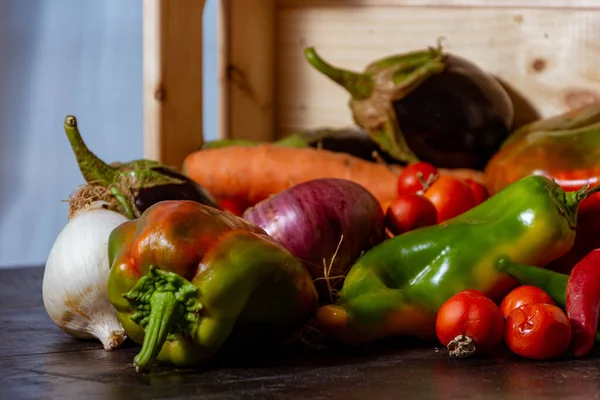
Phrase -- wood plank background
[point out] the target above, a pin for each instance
(547, 56)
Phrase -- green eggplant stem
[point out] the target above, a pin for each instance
(165, 311)
(92, 168)
(360, 86)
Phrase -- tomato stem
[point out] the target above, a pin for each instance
(426, 183)
(461, 346)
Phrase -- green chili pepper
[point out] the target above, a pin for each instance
(186, 278)
(397, 287)
(552, 282)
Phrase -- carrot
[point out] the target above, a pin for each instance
(254, 173)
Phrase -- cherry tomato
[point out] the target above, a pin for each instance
(450, 196)
(232, 206)
(408, 212)
(522, 295)
(479, 191)
(474, 316)
(538, 331)
(412, 177)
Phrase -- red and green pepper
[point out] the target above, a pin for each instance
(186, 278)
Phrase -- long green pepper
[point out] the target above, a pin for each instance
(397, 287)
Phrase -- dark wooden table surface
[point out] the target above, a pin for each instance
(38, 361)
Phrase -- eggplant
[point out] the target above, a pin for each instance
(137, 184)
(355, 142)
(427, 105)
(350, 140)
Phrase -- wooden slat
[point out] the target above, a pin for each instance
(248, 68)
(222, 61)
(172, 79)
(569, 4)
(548, 56)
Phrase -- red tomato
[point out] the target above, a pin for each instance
(414, 175)
(450, 196)
(479, 191)
(471, 314)
(408, 212)
(522, 295)
(538, 331)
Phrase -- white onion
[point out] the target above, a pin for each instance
(75, 281)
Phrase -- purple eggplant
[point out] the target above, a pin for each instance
(427, 105)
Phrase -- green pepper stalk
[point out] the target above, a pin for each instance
(134, 185)
(397, 287)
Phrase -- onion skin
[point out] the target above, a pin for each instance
(310, 218)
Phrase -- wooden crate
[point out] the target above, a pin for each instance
(547, 52)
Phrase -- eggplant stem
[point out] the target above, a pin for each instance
(124, 202)
(92, 168)
(360, 86)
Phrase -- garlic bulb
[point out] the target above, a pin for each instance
(75, 282)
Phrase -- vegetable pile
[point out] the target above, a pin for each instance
(433, 218)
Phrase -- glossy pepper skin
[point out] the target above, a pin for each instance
(397, 287)
(187, 278)
(565, 148)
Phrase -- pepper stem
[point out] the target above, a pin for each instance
(165, 310)
(583, 193)
(360, 86)
(92, 168)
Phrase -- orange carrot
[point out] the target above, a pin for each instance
(254, 173)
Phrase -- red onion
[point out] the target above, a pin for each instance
(313, 218)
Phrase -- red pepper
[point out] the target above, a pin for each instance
(583, 302)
